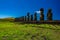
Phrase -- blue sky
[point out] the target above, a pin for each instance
(17, 8)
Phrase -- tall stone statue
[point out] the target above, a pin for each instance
(41, 14)
(49, 14)
(28, 16)
(31, 17)
(25, 18)
(35, 16)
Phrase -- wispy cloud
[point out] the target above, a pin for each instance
(37, 11)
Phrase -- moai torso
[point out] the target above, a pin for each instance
(25, 18)
(49, 15)
(31, 17)
(35, 17)
(41, 14)
(28, 16)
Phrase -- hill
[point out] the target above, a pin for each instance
(18, 31)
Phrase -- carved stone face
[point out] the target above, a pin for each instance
(41, 12)
(49, 15)
(41, 16)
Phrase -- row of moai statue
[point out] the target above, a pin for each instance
(34, 17)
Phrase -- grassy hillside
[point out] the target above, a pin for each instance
(18, 31)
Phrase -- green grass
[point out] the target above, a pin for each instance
(18, 31)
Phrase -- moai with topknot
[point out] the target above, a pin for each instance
(28, 16)
(41, 14)
(49, 15)
(35, 16)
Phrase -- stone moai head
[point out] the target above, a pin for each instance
(41, 10)
(35, 14)
(49, 10)
(49, 14)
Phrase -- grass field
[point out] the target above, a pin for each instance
(18, 31)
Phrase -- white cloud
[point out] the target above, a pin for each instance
(37, 11)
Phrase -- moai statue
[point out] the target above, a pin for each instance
(49, 15)
(35, 16)
(41, 14)
(25, 18)
(28, 16)
(31, 17)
